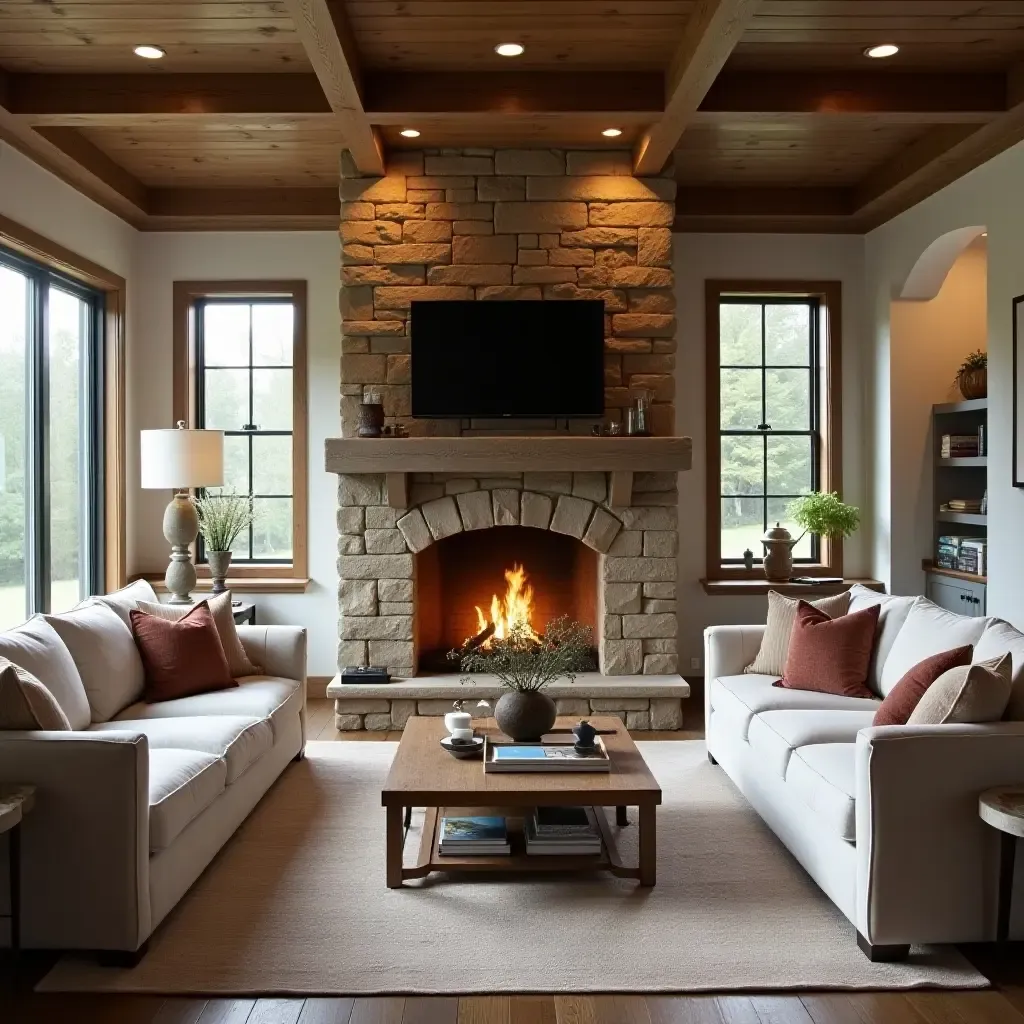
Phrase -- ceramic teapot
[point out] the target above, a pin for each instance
(778, 553)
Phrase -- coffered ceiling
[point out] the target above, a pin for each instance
(769, 112)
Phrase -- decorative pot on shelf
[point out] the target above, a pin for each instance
(973, 383)
(525, 715)
(220, 563)
(778, 554)
(371, 419)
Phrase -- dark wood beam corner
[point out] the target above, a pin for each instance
(243, 203)
(765, 209)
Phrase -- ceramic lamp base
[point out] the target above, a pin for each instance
(181, 527)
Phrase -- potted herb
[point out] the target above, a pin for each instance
(524, 665)
(222, 517)
(820, 512)
(972, 377)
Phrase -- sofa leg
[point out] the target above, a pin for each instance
(123, 957)
(300, 755)
(882, 954)
(711, 758)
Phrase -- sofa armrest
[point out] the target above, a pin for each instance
(85, 843)
(728, 650)
(927, 864)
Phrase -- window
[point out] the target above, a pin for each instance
(51, 439)
(242, 351)
(773, 401)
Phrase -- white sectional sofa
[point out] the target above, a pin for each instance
(884, 819)
(129, 811)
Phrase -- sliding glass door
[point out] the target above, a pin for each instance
(51, 479)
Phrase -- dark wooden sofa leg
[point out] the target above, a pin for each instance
(711, 758)
(882, 954)
(123, 957)
(300, 755)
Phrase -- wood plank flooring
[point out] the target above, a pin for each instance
(1003, 1004)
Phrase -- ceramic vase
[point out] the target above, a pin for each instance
(973, 383)
(525, 715)
(220, 562)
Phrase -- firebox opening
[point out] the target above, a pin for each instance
(467, 571)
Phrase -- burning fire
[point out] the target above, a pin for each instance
(514, 609)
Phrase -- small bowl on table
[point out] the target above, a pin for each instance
(464, 750)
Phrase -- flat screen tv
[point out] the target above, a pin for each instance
(508, 359)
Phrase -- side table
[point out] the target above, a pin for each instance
(1003, 809)
(15, 803)
(245, 612)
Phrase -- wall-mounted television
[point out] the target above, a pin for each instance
(538, 359)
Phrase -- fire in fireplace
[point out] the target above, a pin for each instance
(506, 613)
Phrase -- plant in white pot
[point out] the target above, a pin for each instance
(222, 519)
(524, 665)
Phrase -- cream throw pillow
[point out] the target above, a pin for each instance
(224, 619)
(968, 695)
(26, 704)
(771, 658)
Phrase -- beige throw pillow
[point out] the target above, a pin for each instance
(968, 695)
(26, 704)
(771, 658)
(224, 619)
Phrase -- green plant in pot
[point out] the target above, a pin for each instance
(972, 377)
(524, 665)
(222, 519)
(821, 512)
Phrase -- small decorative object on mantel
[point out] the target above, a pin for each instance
(748, 559)
(819, 512)
(586, 736)
(371, 416)
(638, 416)
(972, 377)
(222, 518)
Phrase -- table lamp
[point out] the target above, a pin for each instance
(181, 459)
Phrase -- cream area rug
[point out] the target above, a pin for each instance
(296, 903)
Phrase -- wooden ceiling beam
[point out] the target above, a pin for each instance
(760, 201)
(323, 29)
(243, 209)
(713, 29)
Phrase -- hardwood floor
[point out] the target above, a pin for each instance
(1003, 1004)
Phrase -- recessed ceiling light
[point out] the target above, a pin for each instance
(509, 49)
(984, 234)
(612, 133)
(150, 52)
(410, 133)
(882, 50)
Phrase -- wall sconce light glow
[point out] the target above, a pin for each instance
(612, 133)
(509, 49)
(882, 50)
(149, 52)
(410, 133)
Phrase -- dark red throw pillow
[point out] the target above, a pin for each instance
(830, 655)
(180, 658)
(901, 700)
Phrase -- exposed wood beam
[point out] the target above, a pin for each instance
(765, 209)
(243, 209)
(323, 29)
(714, 28)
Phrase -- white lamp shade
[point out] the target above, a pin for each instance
(179, 458)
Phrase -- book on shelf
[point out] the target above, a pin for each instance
(479, 835)
(543, 757)
(974, 556)
(960, 446)
(563, 831)
(972, 506)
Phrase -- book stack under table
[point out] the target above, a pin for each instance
(563, 831)
(474, 835)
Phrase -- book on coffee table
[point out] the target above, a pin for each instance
(543, 757)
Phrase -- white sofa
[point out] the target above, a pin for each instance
(130, 810)
(884, 819)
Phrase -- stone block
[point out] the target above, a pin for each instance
(357, 211)
(375, 567)
(370, 232)
(510, 482)
(656, 605)
(636, 627)
(351, 519)
(548, 240)
(544, 275)
(583, 161)
(360, 490)
(377, 627)
(354, 345)
(392, 653)
(627, 544)
(663, 591)
(459, 195)
(399, 369)
(384, 542)
(361, 705)
(405, 162)
(605, 187)
(539, 217)
(441, 181)
(590, 485)
(528, 241)
(363, 369)
(501, 186)
(510, 292)
(661, 543)
(638, 570)
(605, 238)
(570, 257)
(396, 608)
(645, 518)
(622, 598)
(366, 328)
(420, 494)
(650, 363)
(601, 531)
(354, 254)
(660, 664)
(471, 274)
(459, 486)
(548, 483)
(666, 712)
(571, 516)
(426, 231)
(401, 211)
(532, 258)
(394, 590)
(398, 274)
(434, 707)
(442, 517)
(505, 506)
(642, 277)
(644, 325)
(655, 247)
(396, 399)
(648, 300)
(348, 723)
(351, 545)
(535, 510)
(352, 654)
(427, 253)
(613, 627)
(390, 345)
(660, 646)
(415, 531)
(475, 509)
(402, 298)
(632, 214)
(379, 722)
(460, 211)
(389, 189)
(572, 706)
(401, 712)
(472, 227)
(529, 161)
(636, 721)
(484, 249)
(425, 195)
(458, 165)
(619, 704)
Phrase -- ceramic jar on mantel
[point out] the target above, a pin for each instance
(778, 554)
(525, 715)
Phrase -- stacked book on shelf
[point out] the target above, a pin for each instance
(544, 757)
(961, 446)
(974, 505)
(565, 831)
(474, 836)
(964, 554)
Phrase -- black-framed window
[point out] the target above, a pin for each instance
(769, 418)
(51, 439)
(244, 364)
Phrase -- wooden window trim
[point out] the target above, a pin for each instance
(184, 354)
(830, 295)
(29, 243)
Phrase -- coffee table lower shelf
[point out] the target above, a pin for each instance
(430, 859)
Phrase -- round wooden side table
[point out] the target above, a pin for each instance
(1003, 809)
(15, 803)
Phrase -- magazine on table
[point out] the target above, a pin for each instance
(544, 757)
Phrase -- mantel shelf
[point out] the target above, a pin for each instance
(396, 457)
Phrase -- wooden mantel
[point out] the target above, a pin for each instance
(619, 456)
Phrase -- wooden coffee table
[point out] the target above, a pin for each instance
(423, 774)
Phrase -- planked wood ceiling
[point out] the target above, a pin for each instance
(769, 112)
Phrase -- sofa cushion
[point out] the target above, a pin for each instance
(774, 735)
(823, 776)
(182, 784)
(123, 601)
(901, 700)
(237, 739)
(36, 647)
(27, 705)
(1000, 637)
(892, 613)
(258, 696)
(739, 698)
(928, 630)
(967, 695)
(105, 654)
(778, 630)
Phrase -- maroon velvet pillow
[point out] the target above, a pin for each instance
(181, 658)
(830, 655)
(898, 706)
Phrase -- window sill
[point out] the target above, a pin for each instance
(251, 585)
(757, 587)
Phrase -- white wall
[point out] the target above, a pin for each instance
(698, 257)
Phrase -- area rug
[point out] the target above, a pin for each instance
(296, 903)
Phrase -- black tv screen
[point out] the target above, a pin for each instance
(508, 359)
